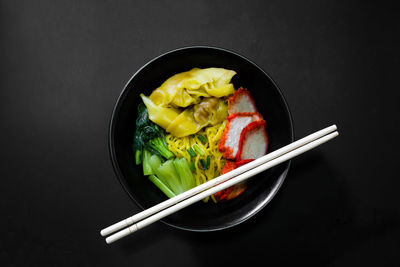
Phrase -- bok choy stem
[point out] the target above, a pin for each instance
(185, 174)
(161, 186)
(147, 170)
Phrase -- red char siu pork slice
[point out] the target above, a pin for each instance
(253, 141)
(229, 144)
(241, 101)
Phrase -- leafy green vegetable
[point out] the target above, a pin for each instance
(185, 174)
(161, 186)
(141, 121)
(174, 174)
(149, 132)
(162, 136)
(168, 173)
(147, 170)
(148, 135)
(158, 145)
(138, 155)
(155, 163)
(143, 116)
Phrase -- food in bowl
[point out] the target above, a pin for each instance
(195, 127)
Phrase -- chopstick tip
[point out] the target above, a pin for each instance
(334, 134)
(103, 232)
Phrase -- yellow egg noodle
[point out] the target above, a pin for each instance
(213, 134)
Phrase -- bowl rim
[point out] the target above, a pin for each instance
(120, 177)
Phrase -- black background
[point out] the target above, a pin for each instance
(64, 63)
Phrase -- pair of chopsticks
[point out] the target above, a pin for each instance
(172, 205)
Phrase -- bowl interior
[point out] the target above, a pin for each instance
(270, 103)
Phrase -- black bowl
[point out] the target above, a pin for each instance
(270, 103)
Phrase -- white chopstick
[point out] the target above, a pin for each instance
(277, 160)
(172, 201)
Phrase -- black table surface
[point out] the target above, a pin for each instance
(64, 63)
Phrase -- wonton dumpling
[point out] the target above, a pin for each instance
(184, 89)
(184, 124)
(160, 115)
(164, 94)
(210, 111)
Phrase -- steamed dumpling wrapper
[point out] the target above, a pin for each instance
(184, 124)
(186, 88)
(160, 115)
